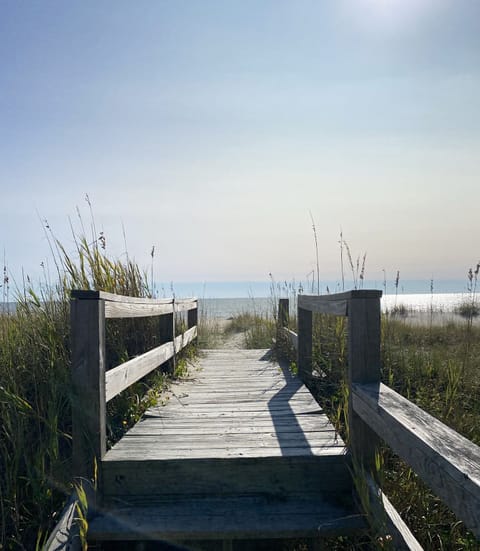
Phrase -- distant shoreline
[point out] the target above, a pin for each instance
(400, 306)
(265, 289)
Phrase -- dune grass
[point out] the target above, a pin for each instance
(259, 329)
(35, 407)
(436, 367)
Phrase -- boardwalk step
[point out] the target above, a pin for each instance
(241, 450)
(217, 518)
(273, 476)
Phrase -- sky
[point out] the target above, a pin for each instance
(216, 130)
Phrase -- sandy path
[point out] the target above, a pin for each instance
(233, 340)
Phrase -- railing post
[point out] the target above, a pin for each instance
(167, 334)
(192, 317)
(282, 321)
(304, 354)
(283, 312)
(364, 367)
(87, 322)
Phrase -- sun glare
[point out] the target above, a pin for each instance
(390, 15)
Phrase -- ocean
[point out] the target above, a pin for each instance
(420, 305)
(265, 289)
(224, 300)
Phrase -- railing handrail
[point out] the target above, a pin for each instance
(376, 411)
(111, 297)
(93, 385)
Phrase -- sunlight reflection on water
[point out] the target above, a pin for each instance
(420, 308)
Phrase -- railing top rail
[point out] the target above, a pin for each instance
(355, 293)
(110, 297)
(336, 304)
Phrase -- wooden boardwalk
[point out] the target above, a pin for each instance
(239, 450)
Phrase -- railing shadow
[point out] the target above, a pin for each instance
(287, 428)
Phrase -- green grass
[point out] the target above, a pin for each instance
(35, 408)
(259, 329)
(436, 367)
(468, 309)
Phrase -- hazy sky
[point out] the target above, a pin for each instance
(210, 129)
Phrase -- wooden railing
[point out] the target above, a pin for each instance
(93, 386)
(447, 462)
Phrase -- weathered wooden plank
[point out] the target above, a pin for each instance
(184, 409)
(264, 439)
(111, 297)
(185, 338)
(218, 429)
(283, 312)
(220, 518)
(118, 306)
(88, 376)
(132, 310)
(253, 354)
(140, 310)
(185, 305)
(363, 367)
(273, 412)
(304, 346)
(244, 475)
(242, 384)
(335, 304)
(324, 304)
(253, 414)
(320, 422)
(192, 317)
(254, 430)
(124, 375)
(147, 453)
(187, 404)
(445, 460)
(205, 394)
(387, 520)
(65, 535)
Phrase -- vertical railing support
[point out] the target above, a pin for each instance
(304, 354)
(192, 317)
(364, 367)
(87, 318)
(283, 312)
(167, 334)
(282, 321)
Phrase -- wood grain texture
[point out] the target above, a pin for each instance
(115, 310)
(239, 449)
(363, 367)
(241, 424)
(304, 343)
(94, 295)
(446, 461)
(219, 518)
(249, 388)
(88, 378)
(139, 310)
(119, 306)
